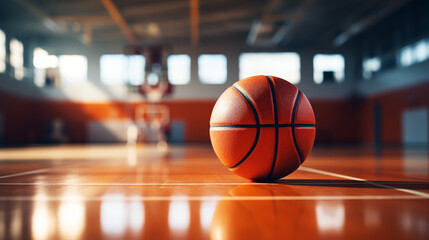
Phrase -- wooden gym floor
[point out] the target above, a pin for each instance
(130, 192)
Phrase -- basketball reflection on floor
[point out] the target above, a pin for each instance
(250, 219)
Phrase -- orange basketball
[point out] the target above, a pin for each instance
(262, 128)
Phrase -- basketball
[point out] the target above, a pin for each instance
(262, 128)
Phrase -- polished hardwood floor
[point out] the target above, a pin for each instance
(184, 192)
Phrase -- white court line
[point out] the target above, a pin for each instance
(312, 170)
(211, 198)
(42, 170)
(128, 184)
(176, 183)
(179, 184)
(27, 173)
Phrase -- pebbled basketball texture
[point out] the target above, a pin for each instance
(262, 128)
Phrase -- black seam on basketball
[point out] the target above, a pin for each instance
(276, 122)
(293, 127)
(257, 128)
(263, 125)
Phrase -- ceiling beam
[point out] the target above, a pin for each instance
(216, 17)
(46, 20)
(119, 20)
(225, 29)
(169, 7)
(144, 9)
(287, 28)
(363, 24)
(195, 22)
(82, 19)
(269, 20)
(255, 28)
(67, 6)
(281, 17)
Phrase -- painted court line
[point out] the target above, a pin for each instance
(27, 173)
(209, 198)
(125, 184)
(179, 184)
(312, 170)
(167, 184)
(42, 170)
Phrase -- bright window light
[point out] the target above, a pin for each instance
(73, 69)
(407, 57)
(2, 52)
(328, 63)
(40, 77)
(212, 68)
(414, 53)
(179, 69)
(41, 59)
(113, 69)
(39, 66)
(136, 65)
(179, 217)
(117, 69)
(283, 65)
(207, 210)
(370, 65)
(17, 58)
(421, 50)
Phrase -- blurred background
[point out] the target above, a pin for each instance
(110, 71)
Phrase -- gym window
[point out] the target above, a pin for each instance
(370, 66)
(73, 69)
(43, 62)
(212, 68)
(284, 65)
(2, 52)
(136, 64)
(17, 58)
(414, 53)
(179, 69)
(117, 69)
(328, 68)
